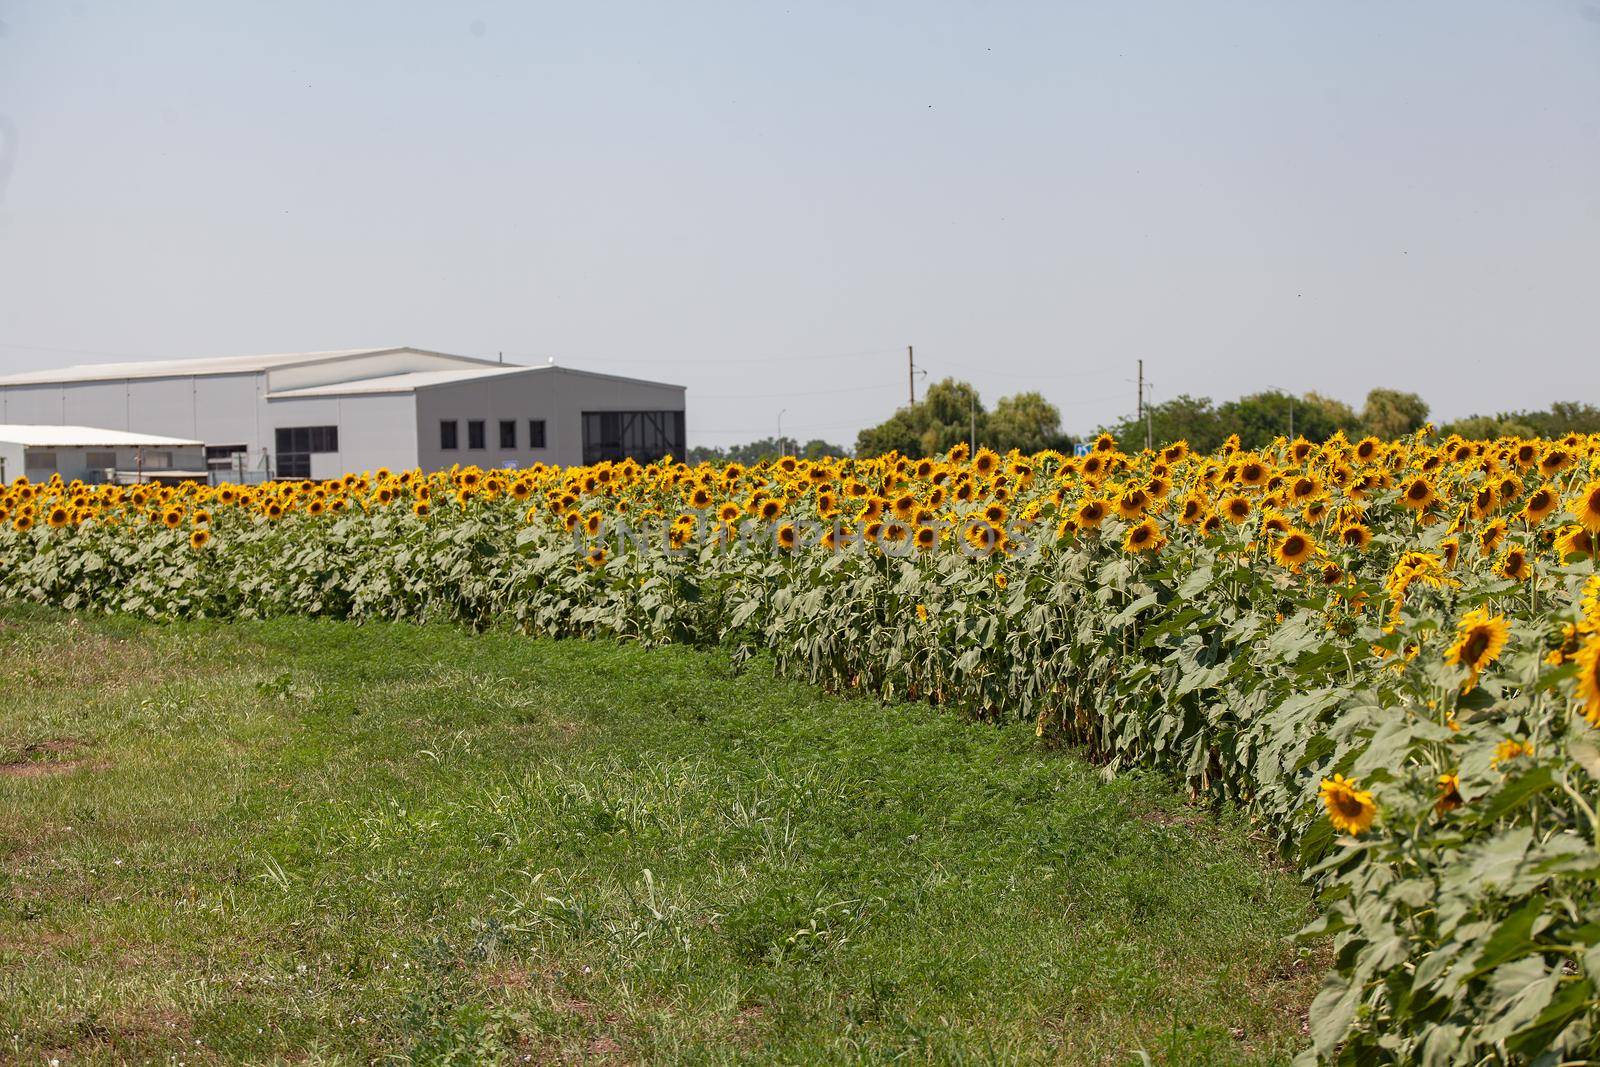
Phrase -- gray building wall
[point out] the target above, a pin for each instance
(554, 394)
(375, 430)
(88, 464)
(394, 430)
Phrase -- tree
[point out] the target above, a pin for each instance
(942, 419)
(1026, 421)
(1183, 418)
(1389, 413)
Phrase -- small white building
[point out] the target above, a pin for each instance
(92, 454)
(325, 414)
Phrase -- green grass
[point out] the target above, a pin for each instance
(316, 841)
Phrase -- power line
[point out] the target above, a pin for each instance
(786, 395)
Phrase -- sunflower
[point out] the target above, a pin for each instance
(1588, 660)
(1000, 579)
(1490, 536)
(1143, 537)
(1132, 503)
(199, 537)
(1293, 549)
(1091, 512)
(1480, 638)
(1540, 506)
(1574, 540)
(1236, 509)
(58, 517)
(788, 536)
(1349, 809)
(1194, 509)
(927, 537)
(1450, 547)
(1586, 507)
(1449, 794)
(985, 461)
(1555, 460)
(1417, 493)
(1511, 749)
(421, 508)
(1355, 535)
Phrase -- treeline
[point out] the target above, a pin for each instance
(1387, 414)
(951, 412)
(768, 448)
(1261, 417)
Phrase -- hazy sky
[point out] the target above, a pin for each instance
(768, 202)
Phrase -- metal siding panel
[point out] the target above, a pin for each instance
(162, 406)
(103, 404)
(41, 404)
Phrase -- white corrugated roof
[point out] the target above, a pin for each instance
(400, 383)
(170, 368)
(85, 437)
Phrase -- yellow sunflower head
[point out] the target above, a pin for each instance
(1350, 810)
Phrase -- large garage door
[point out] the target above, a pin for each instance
(645, 436)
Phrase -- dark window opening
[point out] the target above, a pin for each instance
(447, 435)
(296, 444)
(508, 433)
(535, 433)
(644, 436)
(476, 438)
(221, 457)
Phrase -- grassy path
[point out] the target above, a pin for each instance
(318, 841)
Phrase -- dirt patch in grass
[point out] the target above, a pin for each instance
(44, 758)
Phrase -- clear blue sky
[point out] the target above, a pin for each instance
(767, 203)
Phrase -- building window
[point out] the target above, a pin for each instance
(475, 434)
(39, 461)
(100, 462)
(644, 436)
(535, 433)
(221, 457)
(447, 435)
(296, 445)
(508, 433)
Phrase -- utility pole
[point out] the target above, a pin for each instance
(911, 374)
(1143, 415)
(972, 424)
(1291, 417)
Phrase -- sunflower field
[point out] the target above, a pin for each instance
(1387, 652)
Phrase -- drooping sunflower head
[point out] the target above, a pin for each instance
(1490, 536)
(1480, 638)
(1449, 794)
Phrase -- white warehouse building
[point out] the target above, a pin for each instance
(326, 414)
